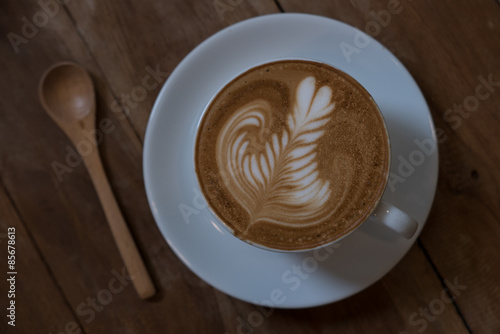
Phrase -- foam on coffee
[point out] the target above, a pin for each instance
(292, 154)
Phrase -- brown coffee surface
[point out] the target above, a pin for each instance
(292, 155)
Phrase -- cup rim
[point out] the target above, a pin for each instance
(356, 225)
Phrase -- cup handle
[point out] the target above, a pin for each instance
(395, 219)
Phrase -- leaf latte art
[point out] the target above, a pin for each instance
(274, 176)
(291, 155)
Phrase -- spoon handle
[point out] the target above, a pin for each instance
(126, 245)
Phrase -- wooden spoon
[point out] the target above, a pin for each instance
(67, 95)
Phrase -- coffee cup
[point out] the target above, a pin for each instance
(294, 154)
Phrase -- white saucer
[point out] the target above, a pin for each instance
(232, 266)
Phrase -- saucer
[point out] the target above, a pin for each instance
(285, 280)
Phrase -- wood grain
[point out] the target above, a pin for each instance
(40, 304)
(448, 46)
(122, 43)
(152, 34)
(392, 305)
(66, 218)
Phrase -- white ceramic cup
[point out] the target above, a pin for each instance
(384, 213)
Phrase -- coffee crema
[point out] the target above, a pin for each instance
(292, 154)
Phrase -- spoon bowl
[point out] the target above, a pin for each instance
(66, 92)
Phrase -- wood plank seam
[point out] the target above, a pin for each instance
(442, 281)
(281, 7)
(40, 254)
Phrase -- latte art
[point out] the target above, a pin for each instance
(291, 155)
(278, 180)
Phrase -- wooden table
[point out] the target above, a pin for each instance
(66, 260)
